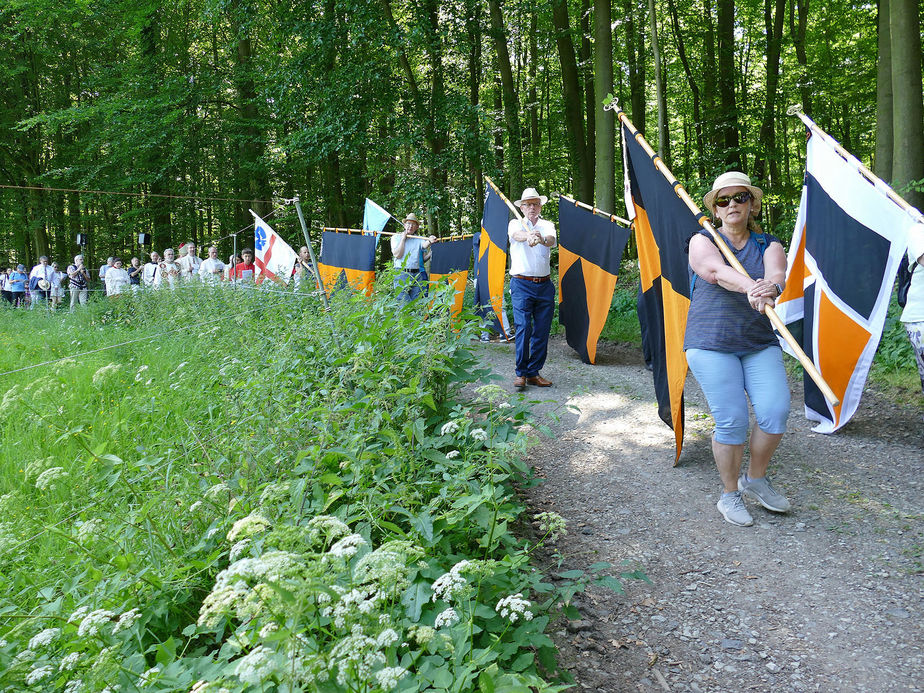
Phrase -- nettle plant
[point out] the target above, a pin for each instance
(329, 504)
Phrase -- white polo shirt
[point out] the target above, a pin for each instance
(530, 261)
(914, 307)
(413, 248)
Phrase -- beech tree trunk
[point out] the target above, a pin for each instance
(726, 54)
(907, 100)
(514, 156)
(605, 139)
(882, 159)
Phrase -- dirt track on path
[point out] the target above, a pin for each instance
(828, 597)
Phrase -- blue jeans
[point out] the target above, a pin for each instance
(411, 285)
(533, 307)
(729, 380)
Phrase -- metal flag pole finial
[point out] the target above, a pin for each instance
(794, 109)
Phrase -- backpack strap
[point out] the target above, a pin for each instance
(759, 238)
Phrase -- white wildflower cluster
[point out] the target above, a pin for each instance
(387, 566)
(126, 620)
(389, 677)
(387, 638)
(256, 666)
(451, 585)
(351, 606)
(194, 508)
(248, 526)
(105, 373)
(275, 493)
(452, 454)
(78, 614)
(203, 686)
(74, 686)
(39, 674)
(50, 477)
(215, 492)
(88, 530)
(24, 656)
(268, 630)
(347, 547)
(479, 434)
(69, 662)
(491, 393)
(238, 549)
(232, 593)
(93, 621)
(149, 676)
(324, 529)
(552, 524)
(449, 428)
(44, 637)
(221, 601)
(446, 619)
(514, 607)
(355, 658)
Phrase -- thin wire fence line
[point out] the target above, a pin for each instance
(131, 341)
(131, 194)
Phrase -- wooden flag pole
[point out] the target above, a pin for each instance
(599, 212)
(704, 221)
(516, 212)
(372, 233)
(876, 181)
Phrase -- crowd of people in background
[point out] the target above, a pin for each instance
(45, 284)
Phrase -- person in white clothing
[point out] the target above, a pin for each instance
(40, 282)
(913, 313)
(532, 293)
(168, 271)
(150, 271)
(117, 281)
(102, 271)
(190, 262)
(211, 269)
(57, 290)
(410, 254)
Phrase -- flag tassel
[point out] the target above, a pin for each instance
(679, 190)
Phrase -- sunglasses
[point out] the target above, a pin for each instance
(740, 198)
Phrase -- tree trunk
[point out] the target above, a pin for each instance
(766, 146)
(797, 27)
(729, 123)
(907, 99)
(574, 121)
(254, 184)
(664, 143)
(605, 139)
(710, 69)
(586, 68)
(511, 105)
(636, 64)
(882, 159)
(694, 89)
(473, 25)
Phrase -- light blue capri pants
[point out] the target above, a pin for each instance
(726, 377)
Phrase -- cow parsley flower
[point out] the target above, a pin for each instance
(148, 676)
(126, 620)
(87, 531)
(105, 373)
(78, 614)
(446, 619)
(323, 529)
(386, 638)
(24, 656)
(238, 549)
(514, 607)
(93, 621)
(449, 428)
(268, 630)
(74, 686)
(248, 527)
(42, 638)
(39, 674)
(389, 677)
(479, 434)
(69, 661)
(215, 491)
(552, 524)
(256, 666)
(450, 585)
(452, 454)
(348, 546)
(355, 657)
(49, 477)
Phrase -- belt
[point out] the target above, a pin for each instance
(412, 271)
(535, 280)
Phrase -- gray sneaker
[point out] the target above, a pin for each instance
(763, 492)
(732, 508)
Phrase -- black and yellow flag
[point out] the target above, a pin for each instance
(450, 260)
(663, 227)
(491, 260)
(589, 250)
(347, 259)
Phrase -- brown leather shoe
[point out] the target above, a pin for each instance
(539, 381)
(519, 382)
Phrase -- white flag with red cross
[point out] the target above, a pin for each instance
(273, 257)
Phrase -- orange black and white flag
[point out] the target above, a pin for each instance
(663, 227)
(450, 260)
(491, 260)
(848, 242)
(590, 248)
(347, 259)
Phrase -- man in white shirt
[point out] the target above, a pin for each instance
(190, 262)
(913, 313)
(40, 279)
(151, 268)
(410, 254)
(532, 293)
(102, 272)
(211, 269)
(168, 271)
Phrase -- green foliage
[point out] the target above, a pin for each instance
(235, 488)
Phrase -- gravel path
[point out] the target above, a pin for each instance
(829, 597)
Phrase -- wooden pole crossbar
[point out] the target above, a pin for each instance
(594, 210)
(875, 180)
(704, 221)
(516, 212)
(458, 237)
